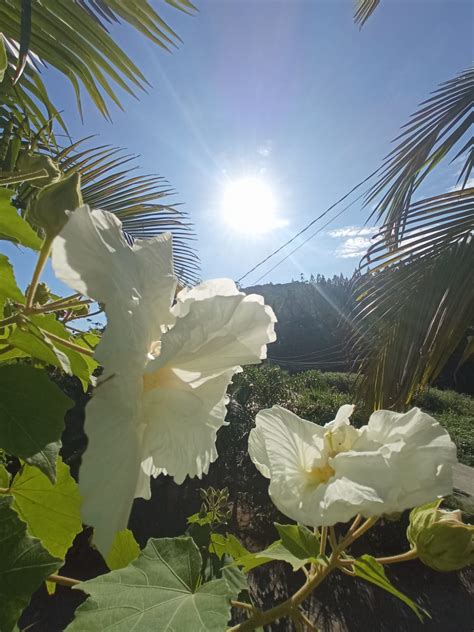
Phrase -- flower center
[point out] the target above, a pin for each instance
(339, 440)
(163, 378)
(318, 475)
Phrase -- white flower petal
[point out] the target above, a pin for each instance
(182, 418)
(217, 333)
(136, 284)
(110, 465)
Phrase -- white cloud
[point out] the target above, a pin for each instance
(458, 186)
(353, 247)
(353, 231)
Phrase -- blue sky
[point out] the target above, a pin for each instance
(292, 92)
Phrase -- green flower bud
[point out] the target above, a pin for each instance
(442, 540)
(28, 163)
(48, 208)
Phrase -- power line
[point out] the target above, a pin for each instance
(308, 226)
(316, 232)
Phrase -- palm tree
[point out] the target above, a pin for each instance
(73, 38)
(414, 296)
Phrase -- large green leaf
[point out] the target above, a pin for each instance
(14, 227)
(46, 459)
(24, 565)
(32, 411)
(161, 590)
(123, 551)
(8, 286)
(51, 511)
(367, 567)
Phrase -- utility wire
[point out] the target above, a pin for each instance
(316, 232)
(308, 226)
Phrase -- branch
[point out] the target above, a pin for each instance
(63, 581)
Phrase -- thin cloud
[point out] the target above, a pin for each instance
(353, 247)
(353, 231)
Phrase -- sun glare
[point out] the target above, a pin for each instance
(249, 206)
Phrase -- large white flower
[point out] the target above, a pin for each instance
(321, 475)
(161, 398)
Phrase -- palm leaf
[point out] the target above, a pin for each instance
(414, 301)
(364, 10)
(73, 38)
(438, 128)
(109, 181)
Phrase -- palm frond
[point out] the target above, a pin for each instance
(364, 10)
(439, 127)
(110, 181)
(415, 301)
(73, 38)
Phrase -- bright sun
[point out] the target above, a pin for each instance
(249, 206)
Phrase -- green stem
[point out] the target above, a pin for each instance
(67, 343)
(4, 490)
(42, 259)
(412, 554)
(63, 581)
(9, 321)
(62, 304)
(287, 607)
(324, 536)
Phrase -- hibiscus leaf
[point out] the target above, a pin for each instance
(8, 286)
(45, 460)
(51, 511)
(32, 411)
(4, 477)
(32, 340)
(82, 366)
(227, 545)
(299, 540)
(124, 550)
(160, 590)
(13, 227)
(369, 569)
(24, 565)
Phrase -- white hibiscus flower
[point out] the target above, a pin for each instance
(161, 398)
(321, 475)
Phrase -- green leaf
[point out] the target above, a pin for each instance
(124, 550)
(369, 569)
(8, 286)
(32, 411)
(161, 590)
(236, 580)
(51, 511)
(45, 460)
(298, 546)
(24, 565)
(299, 540)
(82, 366)
(30, 339)
(227, 545)
(4, 477)
(13, 227)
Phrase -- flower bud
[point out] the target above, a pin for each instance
(48, 209)
(442, 540)
(28, 163)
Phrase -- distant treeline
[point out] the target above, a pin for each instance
(312, 323)
(314, 327)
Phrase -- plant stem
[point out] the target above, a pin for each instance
(59, 305)
(332, 538)
(4, 490)
(412, 554)
(63, 581)
(324, 535)
(42, 259)
(242, 604)
(8, 321)
(67, 343)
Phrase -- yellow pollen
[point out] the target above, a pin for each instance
(163, 378)
(318, 475)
